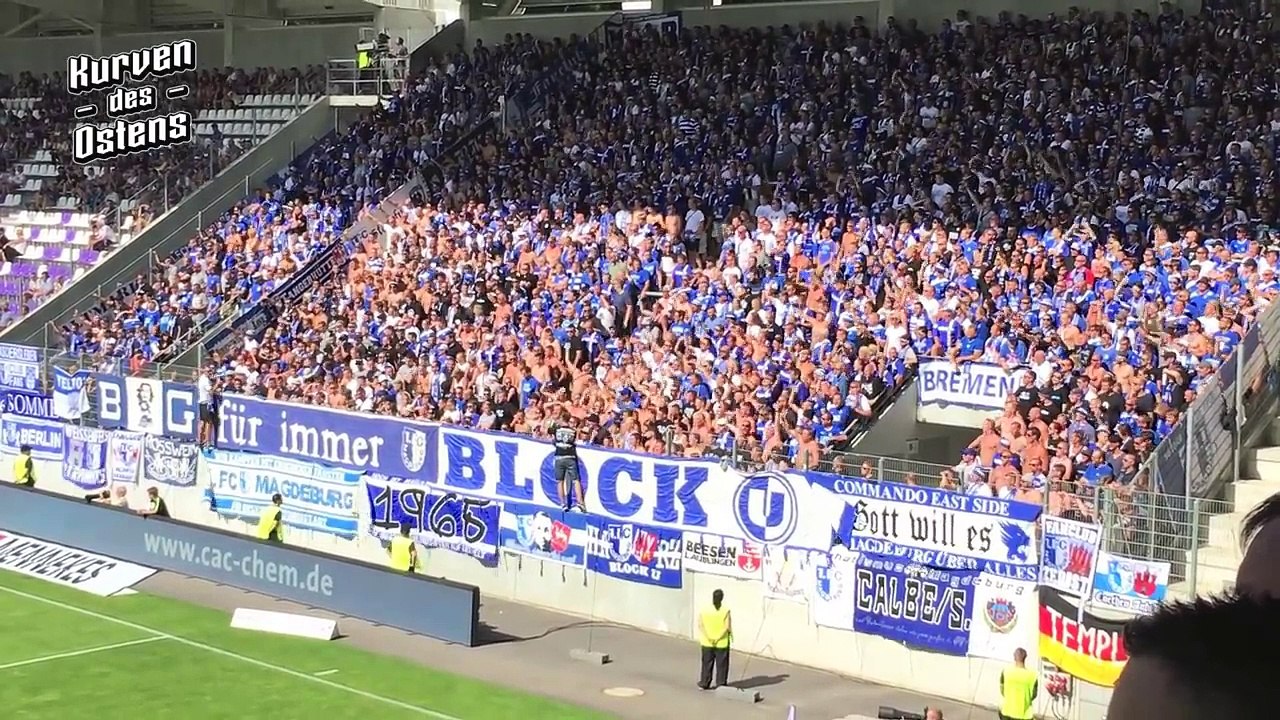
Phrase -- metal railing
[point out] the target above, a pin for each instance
(1202, 453)
(383, 77)
(1149, 525)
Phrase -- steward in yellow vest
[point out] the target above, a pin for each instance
(24, 468)
(1018, 689)
(715, 632)
(271, 521)
(404, 554)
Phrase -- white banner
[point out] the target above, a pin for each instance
(831, 600)
(67, 566)
(145, 413)
(124, 456)
(788, 572)
(1129, 584)
(719, 555)
(1070, 555)
(1006, 616)
(976, 386)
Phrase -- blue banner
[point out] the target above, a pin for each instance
(358, 442)
(84, 458)
(19, 367)
(147, 405)
(633, 552)
(468, 526)
(68, 393)
(170, 462)
(556, 535)
(44, 436)
(27, 404)
(923, 607)
(938, 528)
(315, 497)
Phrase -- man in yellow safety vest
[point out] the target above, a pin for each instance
(271, 520)
(24, 468)
(715, 630)
(404, 554)
(1018, 689)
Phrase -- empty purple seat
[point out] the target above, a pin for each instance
(33, 233)
(66, 217)
(52, 252)
(71, 236)
(88, 257)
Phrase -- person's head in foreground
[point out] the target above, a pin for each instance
(1210, 658)
(1213, 657)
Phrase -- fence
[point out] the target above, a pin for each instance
(1142, 523)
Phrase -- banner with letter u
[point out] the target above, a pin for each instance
(315, 497)
(633, 552)
(468, 526)
(19, 367)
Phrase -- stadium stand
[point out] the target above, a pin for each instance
(729, 241)
(62, 217)
(252, 249)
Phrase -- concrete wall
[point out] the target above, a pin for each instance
(764, 626)
(902, 433)
(929, 13)
(248, 47)
(173, 229)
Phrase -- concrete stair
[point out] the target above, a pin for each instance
(1217, 561)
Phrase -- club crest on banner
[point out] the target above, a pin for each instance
(1001, 614)
(413, 449)
(626, 541)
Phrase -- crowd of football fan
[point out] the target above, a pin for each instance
(737, 242)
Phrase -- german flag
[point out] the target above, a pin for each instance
(1091, 649)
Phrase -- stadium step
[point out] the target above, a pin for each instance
(1252, 489)
(1216, 568)
(1263, 463)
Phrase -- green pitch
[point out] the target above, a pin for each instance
(66, 654)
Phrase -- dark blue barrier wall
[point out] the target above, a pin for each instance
(434, 607)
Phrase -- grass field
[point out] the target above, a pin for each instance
(66, 654)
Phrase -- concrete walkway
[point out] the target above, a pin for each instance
(528, 648)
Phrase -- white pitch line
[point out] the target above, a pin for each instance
(234, 656)
(324, 673)
(78, 653)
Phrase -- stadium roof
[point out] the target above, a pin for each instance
(45, 18)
